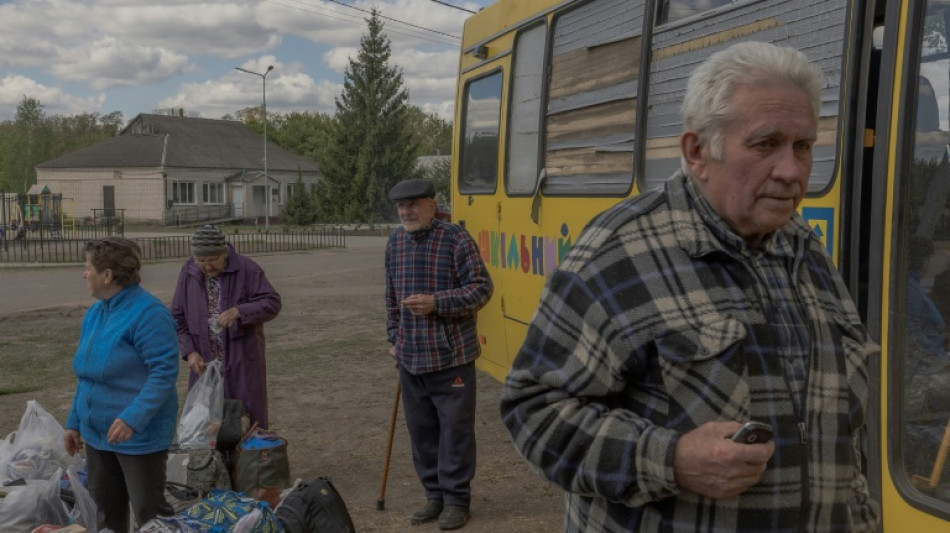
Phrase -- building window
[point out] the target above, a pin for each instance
(183, 192)
(276, 196)
(212, 193)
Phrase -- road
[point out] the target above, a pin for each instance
(32, 287)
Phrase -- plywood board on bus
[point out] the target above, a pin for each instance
(593, 122)
(595, 68)
(587, 161)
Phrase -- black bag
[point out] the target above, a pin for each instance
(315, 507)
(234, 424)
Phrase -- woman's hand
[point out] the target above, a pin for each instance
(119, 432)
(229, 317)
(72, 441)
(196, 363)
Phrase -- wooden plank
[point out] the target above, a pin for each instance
(587, 161)
(595, 67)
(595, 121)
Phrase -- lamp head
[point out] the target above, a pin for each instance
(270, 68)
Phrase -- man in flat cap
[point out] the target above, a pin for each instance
(435, 284)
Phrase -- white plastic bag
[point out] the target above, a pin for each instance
(84, 511)
(37, 502)
(248, 522)
(204, 407)
(37, 450)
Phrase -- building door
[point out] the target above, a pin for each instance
(258, 201)
(108, 200)
(237, 200)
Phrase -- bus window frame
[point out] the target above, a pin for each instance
(542, 122)
(899, 271)
(638, 141)
(463, 116)
(657, 27)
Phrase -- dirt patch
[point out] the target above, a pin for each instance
(331, 384)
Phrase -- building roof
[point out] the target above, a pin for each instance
(151, 141)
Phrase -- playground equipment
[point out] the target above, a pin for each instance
(43, 213)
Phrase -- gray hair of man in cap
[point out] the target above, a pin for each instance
(415, 203)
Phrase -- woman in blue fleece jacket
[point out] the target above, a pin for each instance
(126, 401)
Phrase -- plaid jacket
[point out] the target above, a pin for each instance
(651, 328)
(442, 260)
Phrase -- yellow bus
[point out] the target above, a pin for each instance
(565, 107)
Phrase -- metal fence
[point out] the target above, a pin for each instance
(175, 246)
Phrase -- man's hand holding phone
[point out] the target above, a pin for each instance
(753, 433)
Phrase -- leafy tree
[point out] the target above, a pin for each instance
(370, 146)
(25, 143)
(439, 173)
(32, 138)
(433, 133)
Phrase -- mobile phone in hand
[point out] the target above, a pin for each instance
(753, 433)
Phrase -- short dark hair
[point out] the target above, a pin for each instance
(118, 254)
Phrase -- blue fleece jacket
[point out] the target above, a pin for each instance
(127, 365)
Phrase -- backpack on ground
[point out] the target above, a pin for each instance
(314, 507)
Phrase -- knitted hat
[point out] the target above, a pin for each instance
(208, 240)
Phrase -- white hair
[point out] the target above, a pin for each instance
(708, 107)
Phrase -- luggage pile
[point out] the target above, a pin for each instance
(42, 488)
(223, 476)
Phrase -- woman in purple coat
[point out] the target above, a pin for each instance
(220, 305)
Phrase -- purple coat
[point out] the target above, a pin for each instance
(244, 367)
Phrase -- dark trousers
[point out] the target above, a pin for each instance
(116, 479)
(440, 415)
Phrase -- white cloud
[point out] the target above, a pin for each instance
(288, 89)
(151, 46)
(55, 101)
(108, 63)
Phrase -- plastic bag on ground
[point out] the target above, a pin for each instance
(37, 450)
(84, 511)
(204, 407)
(37, 502)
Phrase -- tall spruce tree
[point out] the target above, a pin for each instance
(369, 148)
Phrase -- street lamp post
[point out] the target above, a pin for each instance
(267, 192)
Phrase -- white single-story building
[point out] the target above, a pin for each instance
(175, 169)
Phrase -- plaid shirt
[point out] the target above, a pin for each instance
(442, 260)
(654, 325)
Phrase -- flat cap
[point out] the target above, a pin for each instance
(409, 189)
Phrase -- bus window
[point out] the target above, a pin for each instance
(525, 114)
(673, 10)
(478, 162)
(815, 27)
(592, 99)
(922, 333)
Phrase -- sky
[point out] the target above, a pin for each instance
(138, 56)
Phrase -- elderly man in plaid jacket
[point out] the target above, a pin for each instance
(436, 282)
(681, 313)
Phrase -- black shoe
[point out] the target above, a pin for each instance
(430, 512)
(453, 517)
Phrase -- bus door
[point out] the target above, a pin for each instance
(915, 267)
(475, 203)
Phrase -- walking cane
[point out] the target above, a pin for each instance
(935, 474)
(381, 502)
